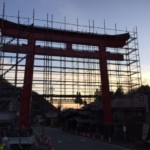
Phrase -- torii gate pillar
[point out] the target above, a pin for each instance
(24, 120)
(105, 86)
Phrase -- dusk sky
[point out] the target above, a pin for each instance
(124, 13)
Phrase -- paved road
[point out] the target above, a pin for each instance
(63, 140)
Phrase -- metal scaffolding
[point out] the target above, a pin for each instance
(59, 78)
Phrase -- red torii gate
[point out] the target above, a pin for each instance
(33, 33)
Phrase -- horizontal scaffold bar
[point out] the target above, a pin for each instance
(66, 96)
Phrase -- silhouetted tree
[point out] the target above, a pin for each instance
(78, 98)
(119, 92)
(144, 89)
(84, 103)
(98, 95)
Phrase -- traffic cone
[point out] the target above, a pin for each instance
(109, 139)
